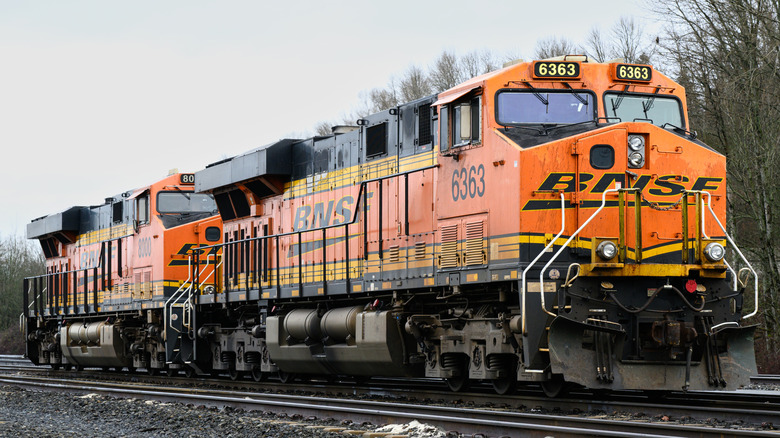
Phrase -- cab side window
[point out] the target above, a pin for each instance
(461, 123)
(142, 209)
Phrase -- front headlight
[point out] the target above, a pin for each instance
(606, 250)
(636, 142)
(714, 252)
(635, 159)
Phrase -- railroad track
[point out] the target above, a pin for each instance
(429, 402)
(15, 361)
(766, 379)
(464, 420)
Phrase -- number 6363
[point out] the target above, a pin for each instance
(468, 182)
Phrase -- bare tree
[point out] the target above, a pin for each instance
(323, 129)
(596, 47)
(478, 62)
(380, 99)
(414, 84)
(552, 47)
(19, 258)
(446, 72)
(726, 55)
(626, 41)
(489, 61)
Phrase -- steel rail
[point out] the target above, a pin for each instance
(490, 422)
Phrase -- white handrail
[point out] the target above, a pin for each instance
(565, 245)
(176, 295)
(522, 281)
(187, 314)
(216, 266)
(734, 245)
(704, 233)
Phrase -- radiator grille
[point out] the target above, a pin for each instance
(449, 246)
(475, 254)
(419, 250)
(424, 115)
(393, 253)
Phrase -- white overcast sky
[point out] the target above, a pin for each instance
(98, 97)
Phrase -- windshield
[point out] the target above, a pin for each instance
(649, 107)
(544, 107)
(185, 202)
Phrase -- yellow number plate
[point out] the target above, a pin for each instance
(629, 72)
(556, 69)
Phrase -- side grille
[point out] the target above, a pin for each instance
(475, 254)
(424, 120)
(393, 253)
(419, 250)
(449, 246)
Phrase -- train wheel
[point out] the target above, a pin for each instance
(55, 366)
(151, 371)
(67, 367)
(286, 377)
(79, 368)
(234, 374)
(458, 383)
(460, 365)
(257, 375)
(189, 371)
(504, 385)
(170, 372)
(555, 387)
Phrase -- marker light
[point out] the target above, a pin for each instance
(606, 250)
(714, 252)
(636, 142)
(635, 159)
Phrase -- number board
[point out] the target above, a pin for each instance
(630, 72)
(187, 178)
(556, 69)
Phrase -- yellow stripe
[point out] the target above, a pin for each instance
(341, 178)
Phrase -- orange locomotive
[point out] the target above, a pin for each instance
(111, 269)
(554, 221)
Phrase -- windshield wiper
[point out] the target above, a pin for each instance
(616, 102)
(537, 94)
(576, 95)
(647, 104)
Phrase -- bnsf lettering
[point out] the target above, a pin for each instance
(324, 214)
(663, 186)
(564, 181)
(91, 259)
(667, 185)
(708, 184)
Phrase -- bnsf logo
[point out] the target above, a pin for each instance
(323, 214)
(663, 186)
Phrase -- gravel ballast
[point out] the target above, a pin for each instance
(50, 414)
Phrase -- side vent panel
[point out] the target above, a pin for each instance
(419, 250)
(449, 247)
(475, 244)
